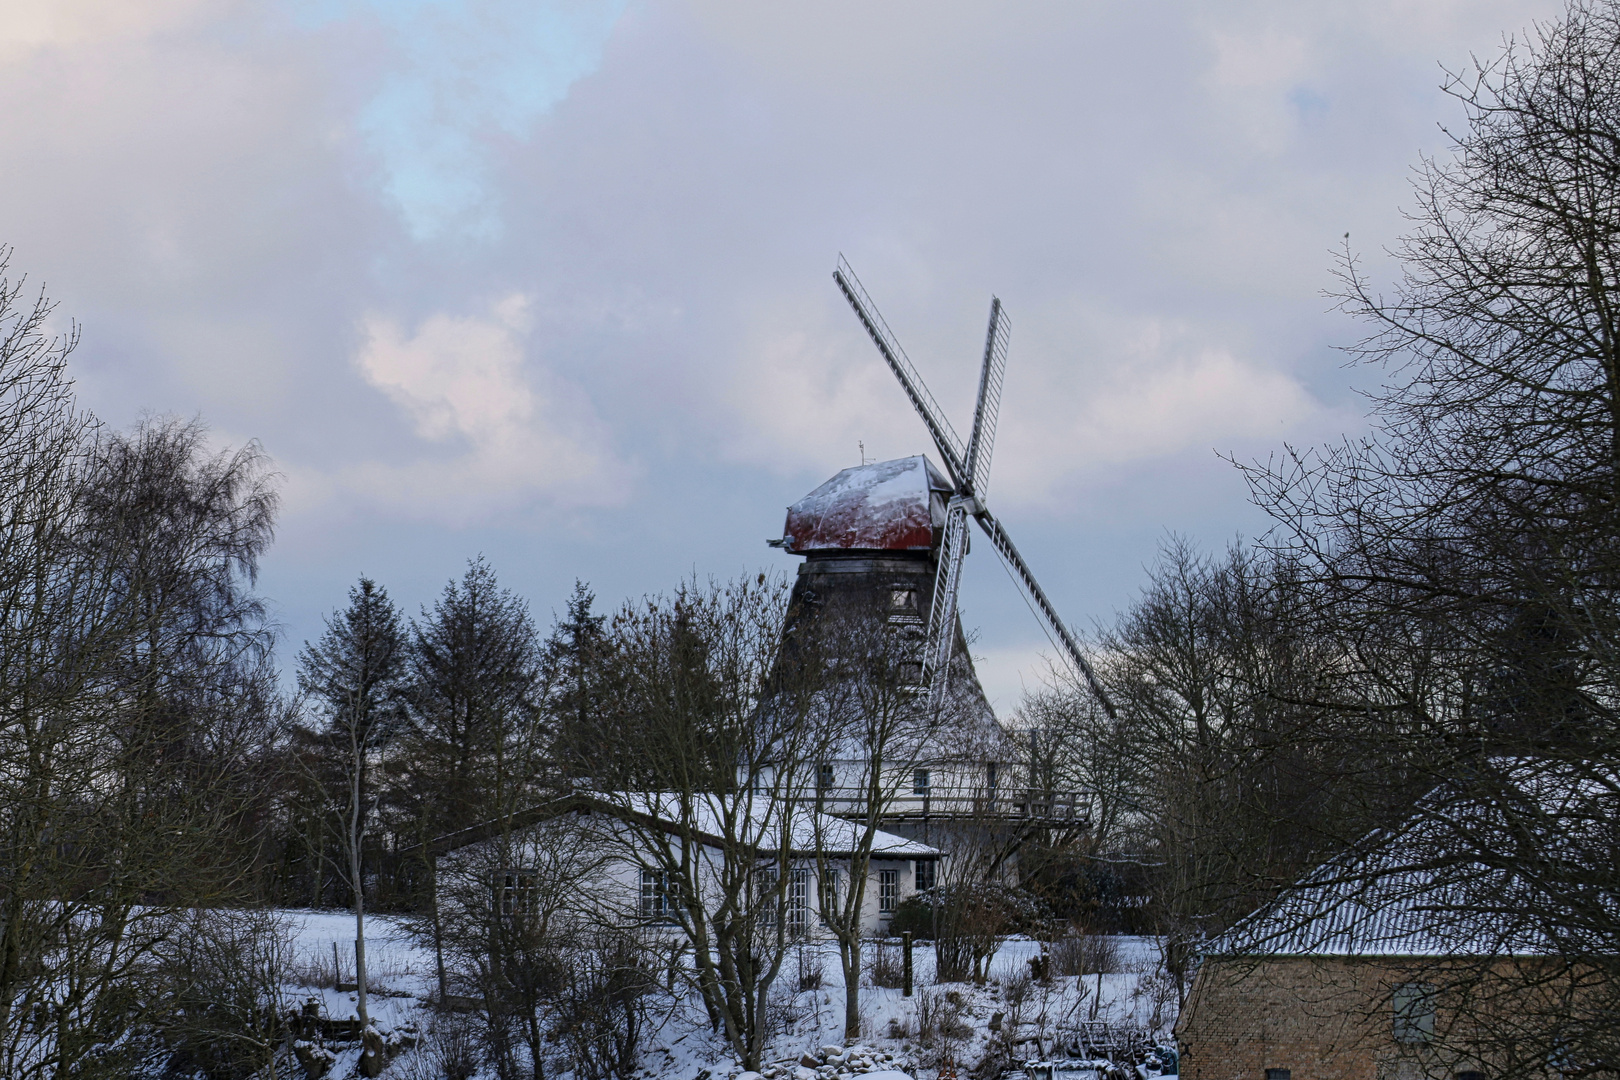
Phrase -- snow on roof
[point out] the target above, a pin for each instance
(884, 506)
(1443, 882)
(757, 820)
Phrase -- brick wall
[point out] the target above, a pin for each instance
(1321, 1018)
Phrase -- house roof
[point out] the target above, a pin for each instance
(754, 822)
(758, 821)
(882, 506)
(1451, 880)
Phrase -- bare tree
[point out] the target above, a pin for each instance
(135, 696)
(702, 780)
(874, 728)
(1466, 551)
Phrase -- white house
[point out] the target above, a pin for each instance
(605, 856)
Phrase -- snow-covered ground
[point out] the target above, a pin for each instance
(679, 1045)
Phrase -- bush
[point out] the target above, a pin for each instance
(602, 1011)
(967, 922)
(1085, 954)
(885, 967)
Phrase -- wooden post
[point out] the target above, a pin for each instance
(905, 950)
(337, 969)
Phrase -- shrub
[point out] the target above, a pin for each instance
(1085, 954)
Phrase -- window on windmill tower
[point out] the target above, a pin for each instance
(1279, 1074)
(1413, 1006)
(911, 672)
(903, 599)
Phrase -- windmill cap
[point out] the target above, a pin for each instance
(894, 505)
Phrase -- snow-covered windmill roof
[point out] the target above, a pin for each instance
(1438, 885)
(884, 506)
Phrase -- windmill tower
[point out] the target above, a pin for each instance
(891, 537)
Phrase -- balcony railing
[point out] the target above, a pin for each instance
(1063, 807)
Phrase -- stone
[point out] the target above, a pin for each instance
(316, 1059)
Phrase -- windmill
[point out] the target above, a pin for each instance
(968, 472)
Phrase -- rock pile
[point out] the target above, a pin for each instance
(829, 1063)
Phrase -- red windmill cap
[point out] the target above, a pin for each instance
(894, 505)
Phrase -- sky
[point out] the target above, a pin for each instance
(550, 282)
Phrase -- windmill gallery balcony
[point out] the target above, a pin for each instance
(1065, 808)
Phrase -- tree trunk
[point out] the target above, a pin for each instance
(356, 835)
(849, 955)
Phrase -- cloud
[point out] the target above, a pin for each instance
(461, 381)
(1153, 388)
(466, 75)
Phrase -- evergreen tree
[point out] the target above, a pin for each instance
(575, 659)
(476, 689)
(353, 675)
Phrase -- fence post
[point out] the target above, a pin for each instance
(905, 950)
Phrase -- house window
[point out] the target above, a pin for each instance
(825, 777)
(888, 891)
(990, 775)
(1413, 1006)
(799, 902)
(829, 889)
(514, 894)
(927, 874)
(919, 781)
(655, 890)
(1279, 1074)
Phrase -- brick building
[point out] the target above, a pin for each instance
(1414, 956)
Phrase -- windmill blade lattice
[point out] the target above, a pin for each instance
(991, 376)
(946, 440)
(969, 473)
(942, 614)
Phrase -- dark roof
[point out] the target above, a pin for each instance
(1448, 880)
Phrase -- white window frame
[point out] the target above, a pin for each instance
(514, 893)
(655, 895)
(925, 869)
(888, 891)
(798, 898)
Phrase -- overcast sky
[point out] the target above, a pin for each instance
(551, 282)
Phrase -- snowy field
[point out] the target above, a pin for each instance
(1032, 1016)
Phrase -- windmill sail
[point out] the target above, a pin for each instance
(948, 442)
(970, 474)
(991, 375)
